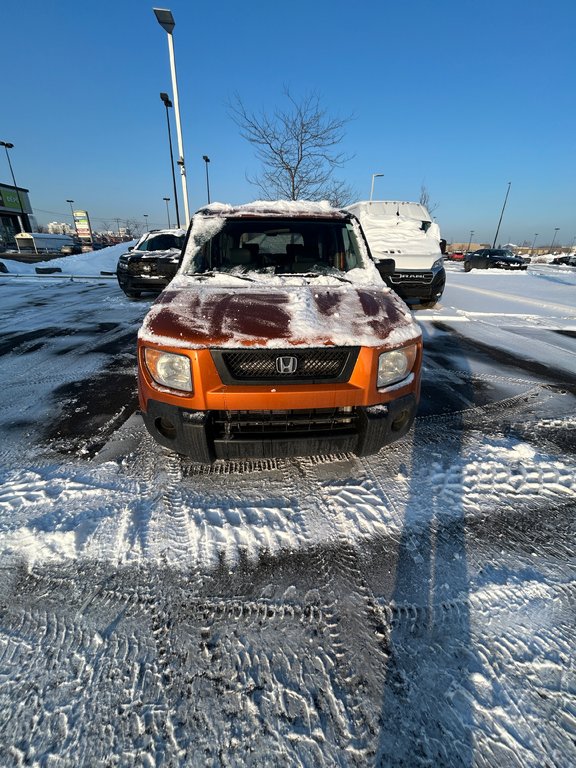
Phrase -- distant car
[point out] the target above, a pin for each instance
(455, 256)
(73, 249)
(493, 258)
(152, 263)
(569, 260)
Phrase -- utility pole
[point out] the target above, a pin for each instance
(502, 214)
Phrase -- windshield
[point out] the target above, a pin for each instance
(502, 254)
(280, 246)
(160, 242)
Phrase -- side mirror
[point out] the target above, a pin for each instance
(386, 267)
(131, 248)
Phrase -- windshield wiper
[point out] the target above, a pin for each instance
(212, 273)
(324, 274)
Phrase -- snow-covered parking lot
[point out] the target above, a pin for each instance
(414, 608)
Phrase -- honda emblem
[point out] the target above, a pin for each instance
(286, 364)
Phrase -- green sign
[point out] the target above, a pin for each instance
(9, 200)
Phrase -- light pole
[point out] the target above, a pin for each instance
(533, 241)
(73, 217)
(167, 200)
(554, 238)
(168, 104)
(166, 21)
(8, 145)
(207, 160)
(146, 220)
(374, 176)
(502, 214)
(469, 241)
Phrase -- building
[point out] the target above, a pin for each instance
(15, 214)
(60, 228)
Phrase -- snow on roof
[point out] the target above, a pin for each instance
(398, 208)
(395, 228)
(176, 231)
(273, 208)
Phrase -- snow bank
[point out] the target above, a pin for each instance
(91, 263)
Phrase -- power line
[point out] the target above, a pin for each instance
(92, 218)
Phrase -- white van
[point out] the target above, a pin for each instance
(405, 232)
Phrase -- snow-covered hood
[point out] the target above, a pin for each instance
(170, 253)
(196, 316)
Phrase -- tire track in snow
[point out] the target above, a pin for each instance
(353, 621)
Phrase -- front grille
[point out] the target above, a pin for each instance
(151, 269)
(406, 278)
(252, 424)
(290, 366)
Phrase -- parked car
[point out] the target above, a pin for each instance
(404, 231)
(569, 260)
(455, 256)
(152, 263)
(72, 249)
(493, 258)
(278, 337)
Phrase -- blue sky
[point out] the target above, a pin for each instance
(461, 97)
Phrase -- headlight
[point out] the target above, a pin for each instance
(395, 365)
(168, 369)
(438, 264)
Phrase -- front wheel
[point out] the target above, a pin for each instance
(132, 294)
(467, 266)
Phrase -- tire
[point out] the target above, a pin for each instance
(427, 303)
(467, 266)
(132, 294)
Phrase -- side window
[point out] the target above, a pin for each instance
(350, 248)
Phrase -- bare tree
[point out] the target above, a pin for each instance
(297, 148)
(134, 228)
(425, 200)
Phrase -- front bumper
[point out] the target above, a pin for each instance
(418, 285)
(506, 265)
(130, 282)
(208, 435)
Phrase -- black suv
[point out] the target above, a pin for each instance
(152, 263)
(493, 258)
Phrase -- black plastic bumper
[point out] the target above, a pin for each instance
(420, 290)
(191, 433)
(130, 283)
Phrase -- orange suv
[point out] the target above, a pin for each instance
(278, 337)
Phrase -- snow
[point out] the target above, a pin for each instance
(90, 263)
(411, 608)
(394, 230)
(193, 310)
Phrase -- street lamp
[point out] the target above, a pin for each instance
(374, 176)
(146, 220)
(502, 214)
(167, 200)
(554, 238)
(73, 217)
(8, 145)
(533, 241)
(207, 160)
(168, 104)
(166, 21)
(469, 241)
